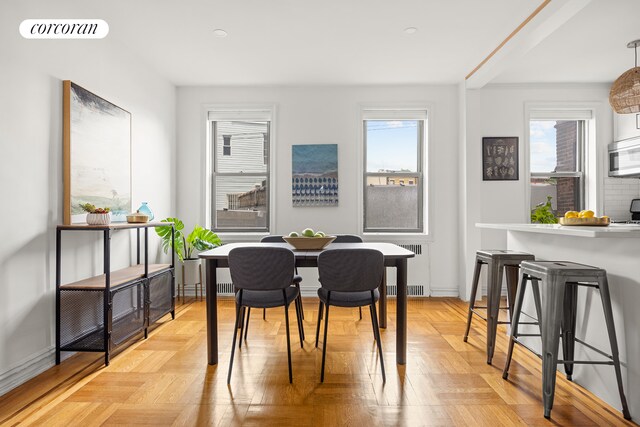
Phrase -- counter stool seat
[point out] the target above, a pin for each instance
(557, 319)
(498, 261)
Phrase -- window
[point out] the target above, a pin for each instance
(394, 147)
(557, 159)
(226, 147)
(240, 181)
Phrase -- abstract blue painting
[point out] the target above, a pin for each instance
(314, 179)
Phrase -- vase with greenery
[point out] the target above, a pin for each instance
(543, 213)
(200, 239)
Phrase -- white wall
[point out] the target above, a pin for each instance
(499, 110)
(330, 115)
(31, 174)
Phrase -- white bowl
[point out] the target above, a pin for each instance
(99, 218)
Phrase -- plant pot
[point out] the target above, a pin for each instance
(98, 218)
(191, 271)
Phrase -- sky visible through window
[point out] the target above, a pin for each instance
(392, 145)
(543, 145)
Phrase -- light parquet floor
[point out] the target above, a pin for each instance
(165, 379)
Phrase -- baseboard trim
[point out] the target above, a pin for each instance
(33, 365)
(443, 292)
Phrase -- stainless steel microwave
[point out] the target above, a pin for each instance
(624, 158)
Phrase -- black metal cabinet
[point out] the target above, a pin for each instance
(101, 312)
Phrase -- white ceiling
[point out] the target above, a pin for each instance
(589, 47)
(297, 42)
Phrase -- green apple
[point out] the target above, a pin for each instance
(294, 234)
(307, 232)
(319, 234)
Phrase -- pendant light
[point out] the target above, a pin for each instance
(625, 92)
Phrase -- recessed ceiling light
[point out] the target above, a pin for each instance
(410, 30)
(219, 32)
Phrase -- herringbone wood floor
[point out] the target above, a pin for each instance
(165, 379)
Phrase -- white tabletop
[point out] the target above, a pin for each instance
(611, 231)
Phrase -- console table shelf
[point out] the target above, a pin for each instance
(101, 312)
(118, 277)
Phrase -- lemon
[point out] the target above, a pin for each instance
(307, 232)
(294, 234)
(586, 214)
(571, 214)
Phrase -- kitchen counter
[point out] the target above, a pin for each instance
(611, 231)
(615, 248)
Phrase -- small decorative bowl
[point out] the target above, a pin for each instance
(99, 218)
(309, 243)
(137, 218)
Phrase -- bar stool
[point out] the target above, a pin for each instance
(497, 261)
(557, 318)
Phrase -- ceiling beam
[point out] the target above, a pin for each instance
(543, 21)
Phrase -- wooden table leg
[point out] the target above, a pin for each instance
(382, 315)
(212, 312)
(401, 312)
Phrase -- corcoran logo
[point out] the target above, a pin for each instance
(64, 29)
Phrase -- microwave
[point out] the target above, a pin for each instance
(624, 158)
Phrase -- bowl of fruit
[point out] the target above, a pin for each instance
(95, 215)
(308, 240)
(585, 217)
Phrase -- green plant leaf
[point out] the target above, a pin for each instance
(543, 213)
(199, 239)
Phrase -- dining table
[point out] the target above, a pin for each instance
(394, 256)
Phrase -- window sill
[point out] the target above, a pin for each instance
(241, 237)
(397, 237)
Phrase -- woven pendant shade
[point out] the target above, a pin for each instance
(624, 96)
(625, 92)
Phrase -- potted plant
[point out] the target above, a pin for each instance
(186, 246)
(96, 216)
(543, 213)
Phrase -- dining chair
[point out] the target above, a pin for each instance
(349, 238)
(262, 277)
(350, 278)
(274, 238)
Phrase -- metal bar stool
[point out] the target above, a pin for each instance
(498, 262)
(557, 319)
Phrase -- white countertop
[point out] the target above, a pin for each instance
(611, 231)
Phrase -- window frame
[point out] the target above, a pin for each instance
(581, 141)
(590, 169)
(420, 114)
(251, 112)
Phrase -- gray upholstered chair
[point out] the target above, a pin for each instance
(350, 278)
(262, 277)
(348, 238)
(274, 238)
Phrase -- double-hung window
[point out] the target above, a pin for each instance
(558, 142)
(394, 164)
(240, 178)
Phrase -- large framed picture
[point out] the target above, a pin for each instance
(500, 158)
(97, 154)
(314, 178)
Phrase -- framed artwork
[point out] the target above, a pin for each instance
(97, 154)
(314, 178)
(500, 158)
